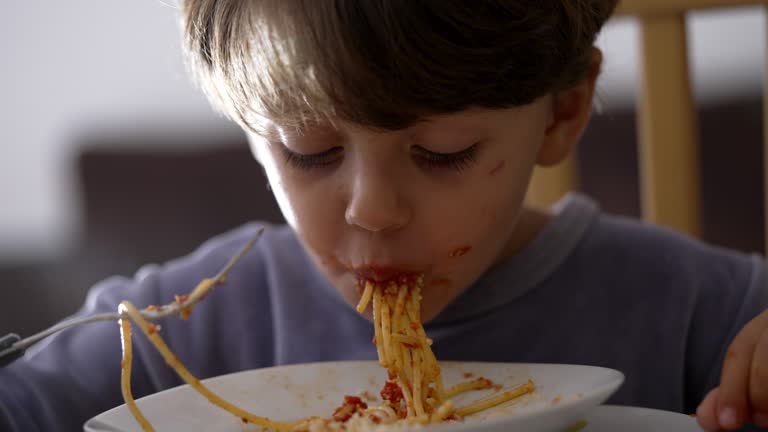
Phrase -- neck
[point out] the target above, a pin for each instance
(531, 223)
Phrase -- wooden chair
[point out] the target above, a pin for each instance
(668, 153)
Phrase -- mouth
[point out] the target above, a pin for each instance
(382, 274)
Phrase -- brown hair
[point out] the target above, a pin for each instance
(385, 63)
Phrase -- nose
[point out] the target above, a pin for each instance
(376, 203)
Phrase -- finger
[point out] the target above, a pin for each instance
(733, 409)
(758, 377)
(706, 413)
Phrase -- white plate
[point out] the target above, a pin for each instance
(610, 418)
(563, 395)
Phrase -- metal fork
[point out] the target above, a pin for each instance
(12, 346)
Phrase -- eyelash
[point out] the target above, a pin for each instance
(458, 161)
(308, 162)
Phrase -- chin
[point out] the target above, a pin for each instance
(430, 310)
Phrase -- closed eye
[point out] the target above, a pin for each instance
(457, 161)
(308, 162)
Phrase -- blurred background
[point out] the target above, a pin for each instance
(110, 158)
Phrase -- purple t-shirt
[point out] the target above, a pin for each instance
(592, 289)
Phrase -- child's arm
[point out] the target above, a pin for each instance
(742, 395)
(75, 375)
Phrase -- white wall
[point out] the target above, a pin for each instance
(77, 65)
(70, 66)
(726, 48)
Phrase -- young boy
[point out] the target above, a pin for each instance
(399, 137)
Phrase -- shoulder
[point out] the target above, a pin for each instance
(241, 305)
(660, 258)
(274, 245)
(158, 283)
(669, 250)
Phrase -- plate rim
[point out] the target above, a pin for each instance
(616, 379)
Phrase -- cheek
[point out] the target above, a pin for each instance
(280, 190)
(463, 230)
(297, 196)
(311, 207)
(460, 251)
(497, 169)
(485, 214)
(314, 216)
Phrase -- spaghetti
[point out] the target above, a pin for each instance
(413, 394)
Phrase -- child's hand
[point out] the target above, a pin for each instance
(743, 392)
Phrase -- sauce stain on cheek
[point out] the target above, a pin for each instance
(497, 168)
(460, 251)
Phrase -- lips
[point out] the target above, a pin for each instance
(382, 273)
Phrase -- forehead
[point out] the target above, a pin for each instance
(467, 123)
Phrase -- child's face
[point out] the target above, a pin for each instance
(440, 198)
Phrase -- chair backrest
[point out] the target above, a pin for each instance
(668, 146)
